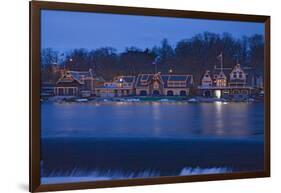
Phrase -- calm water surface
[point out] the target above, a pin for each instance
(119, 119)
(117, 140)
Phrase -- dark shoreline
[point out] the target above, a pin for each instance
(189, 99)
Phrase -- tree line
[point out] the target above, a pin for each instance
(189, 56)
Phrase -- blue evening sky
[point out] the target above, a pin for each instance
(65, 30)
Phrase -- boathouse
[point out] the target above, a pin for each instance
(163, 85)
(237, 82)
(75, 83)
(120, 86)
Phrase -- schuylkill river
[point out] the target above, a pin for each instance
(121, 140)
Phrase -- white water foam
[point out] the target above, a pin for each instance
(96, 175)
(195, 171)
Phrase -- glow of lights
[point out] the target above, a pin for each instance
(218, 93)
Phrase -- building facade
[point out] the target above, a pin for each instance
(163, 85)
(236, 82)
(75, 83)
(119, 87)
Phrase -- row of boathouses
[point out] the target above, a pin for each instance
(217, 82)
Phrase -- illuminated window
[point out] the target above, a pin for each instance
(221, 82)
(156, 85)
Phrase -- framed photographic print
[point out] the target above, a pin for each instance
(123, 96)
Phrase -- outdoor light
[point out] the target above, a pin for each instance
(218, 93)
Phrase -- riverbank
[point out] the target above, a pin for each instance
(147, 99)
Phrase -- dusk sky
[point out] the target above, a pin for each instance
(65, 30)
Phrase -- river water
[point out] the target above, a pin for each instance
(154, 119)
(120, 140)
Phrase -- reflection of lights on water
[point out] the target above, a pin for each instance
(120, 103)
(218, 103)
(156, 115)
(150, 118)
(222, 122)
(157, 130)
(156, 112)
(219, 122)
(156, 103)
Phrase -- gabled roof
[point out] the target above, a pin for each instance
(249, 71)
(221, 75)
(216, 71)
(144, 77)
(99, 79)
(78, 76)
(127, 79)
(177, 77)
(143, 80)
(81, 74)
(207, 72)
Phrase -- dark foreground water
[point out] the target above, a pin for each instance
(117, 140)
